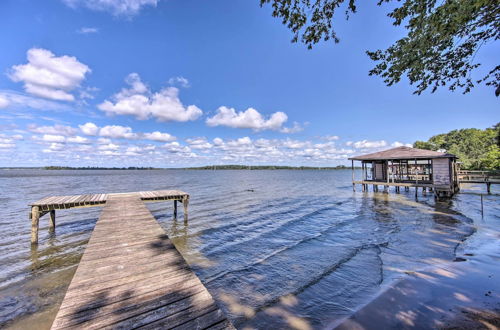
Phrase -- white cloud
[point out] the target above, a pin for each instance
(365, 144)
(199, 143)
(109, 146)
(401, 144)
(116, 131)
(158, 136)
(331, 137)
(176, 147)
(53, 138)
(54, 130)
(183, 82)
(249, 118)
(4, 102)
(103, 140)
(19, 100)
(87, 30)
(89, 129)
(49, 76)
(140, 102)
(294, 129)
(8, 142)
(78, 139)
(54, 147)
(115, 7)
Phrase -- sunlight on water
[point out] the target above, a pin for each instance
(277, 249)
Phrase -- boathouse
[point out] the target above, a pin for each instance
(409, 167)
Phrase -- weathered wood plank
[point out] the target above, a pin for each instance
(131, 275)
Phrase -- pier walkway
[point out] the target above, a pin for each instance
(131, 275)
(49, 205)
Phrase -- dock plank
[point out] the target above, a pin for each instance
(131, 275)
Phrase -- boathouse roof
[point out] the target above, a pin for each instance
(403, 153)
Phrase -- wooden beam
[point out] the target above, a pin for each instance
(52, 219)
(185, 202)
(352, 168)
(35, 219)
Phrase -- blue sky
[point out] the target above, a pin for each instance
(172, 83)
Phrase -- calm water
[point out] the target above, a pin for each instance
(277, 249)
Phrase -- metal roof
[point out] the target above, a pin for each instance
(403, 153)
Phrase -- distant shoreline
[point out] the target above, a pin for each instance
(208, 167)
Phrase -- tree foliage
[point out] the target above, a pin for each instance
(476, 149)
(439, 49)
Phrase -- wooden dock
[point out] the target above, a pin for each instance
(131, 275)
(49, 205)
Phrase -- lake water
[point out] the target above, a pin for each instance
(277, 249)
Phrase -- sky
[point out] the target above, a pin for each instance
(175, 83)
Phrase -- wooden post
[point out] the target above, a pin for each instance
(482, 211)
(35, 217)
(387, 164)
(175, 209)
(352, 167)
(185, 202)
(416, 178)
(488, 187)
(52, 220)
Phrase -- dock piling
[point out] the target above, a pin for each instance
(185, 202)
(35, 219)
(52, 221)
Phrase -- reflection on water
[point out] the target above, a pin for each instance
(277, 249)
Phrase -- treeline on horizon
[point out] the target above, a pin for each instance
(264, 167)
(208, 167)
(97, 168)
(477, 149)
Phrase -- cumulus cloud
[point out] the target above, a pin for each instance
(115, 7)
(159, 136)
(123, 132)
(176, 147)
(89, 129)
(294, 129)
(199, 143)
(109, 146)
(401, 144)
(53, 138)
(365, 144)
(49, 76)
(183, 82)
(140, 102)
(8, 142)
(4, 102)
(87, 30)
(116, 131)
(54, 147)
(331, 137)
(54, 130)
(18, 100)
(78, 139)
(249, 118)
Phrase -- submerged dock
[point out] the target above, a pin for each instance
(131, 275)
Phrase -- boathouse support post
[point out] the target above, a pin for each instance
(175, 209)
(35, 218)
(52, 220)
(352, 170)
(416, 178)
